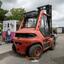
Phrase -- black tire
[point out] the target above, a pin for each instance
(33, 50)
(52, 45)
(54, 40)
(13, 48)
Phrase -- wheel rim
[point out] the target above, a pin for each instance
(37, 52)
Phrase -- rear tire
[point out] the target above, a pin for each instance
(35, 51)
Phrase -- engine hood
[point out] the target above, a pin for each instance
(26, 30)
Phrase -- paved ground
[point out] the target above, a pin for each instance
(49, 57)
(5, 48)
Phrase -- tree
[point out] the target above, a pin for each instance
(2, 13)
(17, 14)
(0, 3)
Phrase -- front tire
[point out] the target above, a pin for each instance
(35, 50)
(13, 48)
(52, 45)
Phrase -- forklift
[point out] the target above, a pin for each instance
(35, 35)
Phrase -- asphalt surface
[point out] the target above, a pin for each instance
(49, 57)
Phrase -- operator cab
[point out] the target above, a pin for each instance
(30, 19)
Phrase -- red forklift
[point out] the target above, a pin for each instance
(35, 34)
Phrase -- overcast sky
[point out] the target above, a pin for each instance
(58, 7)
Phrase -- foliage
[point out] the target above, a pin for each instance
(2, 14)
(1, 27)
(0, 3)
(16, 14)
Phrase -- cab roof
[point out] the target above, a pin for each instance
(31, 14)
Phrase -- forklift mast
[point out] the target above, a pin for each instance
(48, 9)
